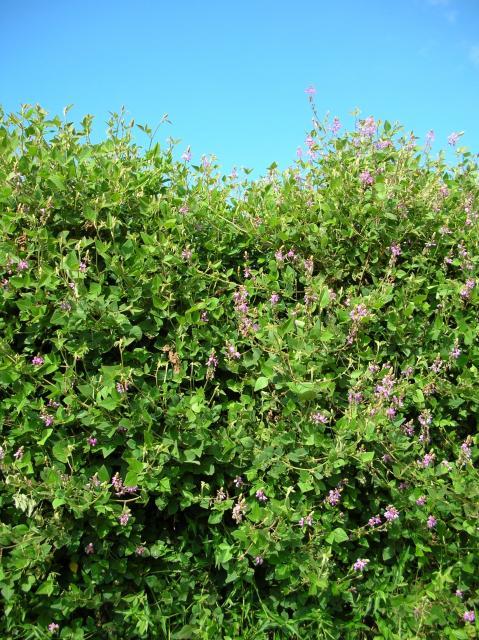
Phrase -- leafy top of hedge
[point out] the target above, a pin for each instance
(233, 408)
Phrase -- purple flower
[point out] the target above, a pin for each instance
(453, 138)
(89, 549)
(186, 254)
(204, 316)
(261, 495)
(238, 510)
(18, 455)
(421, 501)
(459, 593)
(258, 561)
(38, 361)
(92, 441)
(383, 144)
(53, 627)
(309, 266)
(455, 353)
(430, 136)
(47, 419)
(366, 178)
(427, 460)
(319, 418)
(360, 564)
(238, 482)
(360, 311)
(125, 516)
(395, 250)
(391, 513)
(186, 155)
(355, 397)
(431, 522)
(334, 497)
(336, 126)
(390, 412)
(212, 360)
(469, 616)
(466, 450)
(375, 520)
(368, 127)
(122, 387)
(83, 267)
(22, 265)
(232, 353)
(310, 91)
(274, 298)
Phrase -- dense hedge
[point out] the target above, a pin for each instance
(234, 408)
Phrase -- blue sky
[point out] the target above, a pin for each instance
(232, 75)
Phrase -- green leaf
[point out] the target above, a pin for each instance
(338, 535)
(261, 383)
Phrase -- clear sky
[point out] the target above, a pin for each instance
(232, 75)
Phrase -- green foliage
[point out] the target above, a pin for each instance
(209, 386)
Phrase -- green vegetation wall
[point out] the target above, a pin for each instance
(232, 408)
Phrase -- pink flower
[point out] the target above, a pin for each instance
(140, 550)
(375, 520)
(319, 418)
(22, 265)
(336, 126)
(261, 495)
(274, 298)
(37, 361)
(453, 138)
(186, 155)
(366, 178)
(310, 91)
(334, 497)
(212, 360)
(427, 460)
(421, 501)
(238, 482)
(360, 564)
(47, 419)
(258, 561)
(469, 616)
(459, 593)
(395, 250)
(125, 516)
(92, 441)
(18, 455)
(431, 522)
(53, 627)
(232, 353)
(89, 549)
(390, 412)
(391, 513)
